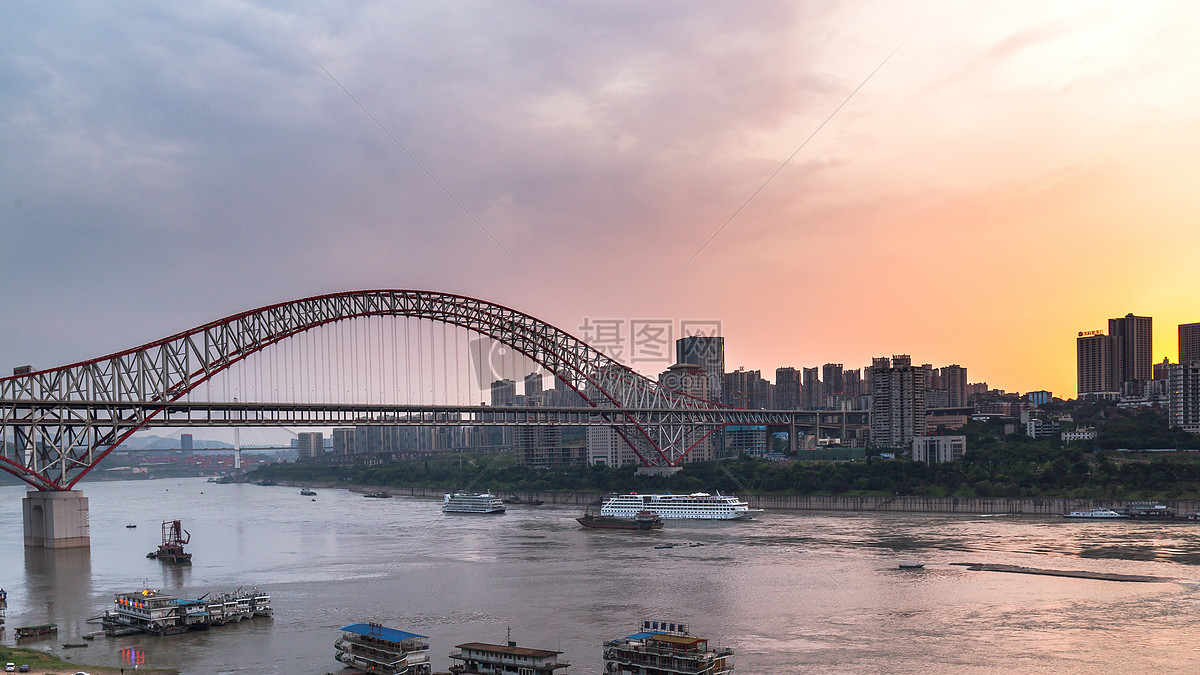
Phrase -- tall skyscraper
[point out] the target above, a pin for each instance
(708, 353)
(898, 406)
(1189, 343)
(787, 389)
(1131, 349)
(1093, 363)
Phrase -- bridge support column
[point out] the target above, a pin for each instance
(56, 520)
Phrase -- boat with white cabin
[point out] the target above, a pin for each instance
(696, 506)
(460, 502)
(1095, 514)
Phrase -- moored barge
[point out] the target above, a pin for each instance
(642, 520)
(375, 648)
(154, 612)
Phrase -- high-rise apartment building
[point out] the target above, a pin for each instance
(787, 389)
(310, 445)
(343, 441)
(746, 389)
(1132, 348)
(811, 390)
(1189, 342)
(831, 383)
(708, 353)
(953, 378)
(1183, 394)
(1093, 363)
(898, 406)
(504, 392)
(533, 388)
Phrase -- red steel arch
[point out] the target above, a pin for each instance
(54, 451)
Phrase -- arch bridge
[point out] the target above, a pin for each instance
(63, 421)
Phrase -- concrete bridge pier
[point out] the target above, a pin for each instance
(56, 519)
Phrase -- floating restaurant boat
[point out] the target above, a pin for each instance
(171, 548)
(642, 520)
(1095, 514)
(667, 643)
(698, 506)
(483, 503)
(481, 658)
(154, 612)
(378, 649)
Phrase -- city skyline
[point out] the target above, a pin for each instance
(168, 167)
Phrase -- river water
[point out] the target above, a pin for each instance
(791, 592)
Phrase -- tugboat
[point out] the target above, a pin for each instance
(171, 548)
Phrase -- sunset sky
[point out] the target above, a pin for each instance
(1015, 173)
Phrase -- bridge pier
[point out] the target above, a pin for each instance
(56, 519)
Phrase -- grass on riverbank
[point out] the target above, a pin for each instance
(45, 663)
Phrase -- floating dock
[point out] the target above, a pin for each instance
(156, 613)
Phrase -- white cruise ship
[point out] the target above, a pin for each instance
(460, 502)
(698, 505)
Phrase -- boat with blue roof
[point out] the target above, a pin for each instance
(375, 648)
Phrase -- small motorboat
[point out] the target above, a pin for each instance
(665, 546)
(130, 526)
(74, 645)
(911, 565)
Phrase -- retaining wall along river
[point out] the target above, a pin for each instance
(1043, 507)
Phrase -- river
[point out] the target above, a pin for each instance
(791, 592)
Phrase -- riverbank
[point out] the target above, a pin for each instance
(975, 505)
(45, 663)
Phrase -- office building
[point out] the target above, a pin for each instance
(1189, 342)
(185, 442)
(690, 379)
(1162, 370)
(1131, 348)
(709, 354)
(898, 404)
(936, 449)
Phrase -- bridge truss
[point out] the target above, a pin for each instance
(63, 421)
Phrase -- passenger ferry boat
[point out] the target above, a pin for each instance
(698, 506)
(484, 502)
(1095, 514)
(666, 642)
